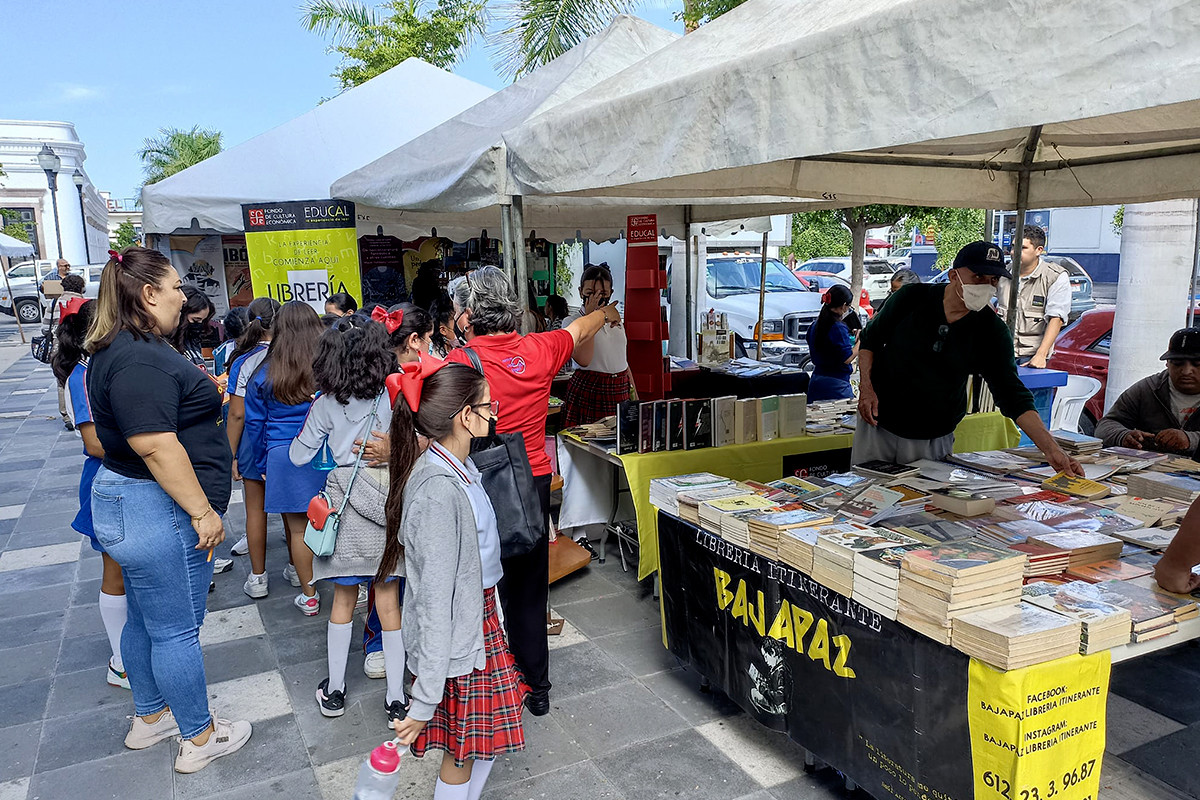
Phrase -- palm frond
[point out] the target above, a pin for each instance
(344, 20)
(174, 150)
(539, 31)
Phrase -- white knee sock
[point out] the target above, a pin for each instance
(393, 659)
(448, 791)
(338, 646)
(113, 611)
(479, 775)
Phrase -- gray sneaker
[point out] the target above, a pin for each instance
(241, 547)
(289, 575)
(143, 734)
(227, 737)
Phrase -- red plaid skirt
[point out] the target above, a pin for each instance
(593, 395)
(480, 713)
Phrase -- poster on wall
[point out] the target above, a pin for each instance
(382, 259)
(304, 250)
(237, 270)
(201, 263)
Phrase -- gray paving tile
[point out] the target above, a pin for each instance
(604, 721)
(548, 747)
(85, 592)
(238, 658)
(34, 601)
(128, 775)
(640, 651)
(84, 690)
(22, 464)
(824, 784)
(18, 750)
(299, 784)
(614, 614)
(29, 629)
(84, 652)
(23, 580)
(87, 736)
(1171, 759)
(1154, 683)
(582, 668)
(355, 733)
(61, 535)
(586, 584)
(680, 689)
(275, 749)
(83, 621)
(582, 781)
(24, 702)
(1130, 725)
(684, 764)
(308, 642)
(20, 664)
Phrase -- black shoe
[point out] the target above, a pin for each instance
(395, 711)
(583, 542)
(212, 586)
(538, 703)
(67, 424)
(333, 704)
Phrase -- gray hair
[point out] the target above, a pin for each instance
(906, 276)
(491, 299)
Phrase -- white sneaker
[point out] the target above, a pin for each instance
(289, 575)
(309, 606)
(117, 677)
(227, 737)
(361, 602)
(374, 666)
(256, 586)
(144, 734)
(241, 548)
(221, 565)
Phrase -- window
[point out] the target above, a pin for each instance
(21, 271)
(730, 276)
(879, 268)
(94, 274)
(1102, 344)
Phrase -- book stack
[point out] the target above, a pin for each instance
(888, 470)
(1152, 612)
(1185, 604)
(1077, 443)
(664, 492)
(944, 581)
(833, 556)
(877, 578)
(1006, 533)
(963, 502)
(1157, 484)
(764, 529)
(1104, 625)
(1042, 560)
(996, 462)
(711, 512)
(1084, 547)
(1076, 487)
(1150, 538)
(797, 545)
(1114, 569)
(689, 501)
(1015, 636)
(872, 504)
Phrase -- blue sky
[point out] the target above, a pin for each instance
(121, 71)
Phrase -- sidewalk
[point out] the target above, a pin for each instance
(626, 722)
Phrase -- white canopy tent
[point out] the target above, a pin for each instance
(10, 248)
(300, 158)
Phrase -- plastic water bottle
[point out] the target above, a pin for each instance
(380, 774)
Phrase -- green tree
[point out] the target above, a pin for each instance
(816, 234)
(953, 228)
(174, 150)
(126, 235)
(373, 40)
(10, 224)
(1118, 220)
(697, 12)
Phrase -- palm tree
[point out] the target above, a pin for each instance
(539, 31)
(174, 150)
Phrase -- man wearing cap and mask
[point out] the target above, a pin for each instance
(1156, 413)
(915, 357)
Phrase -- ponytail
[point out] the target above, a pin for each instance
(404, 455)
(261, 312)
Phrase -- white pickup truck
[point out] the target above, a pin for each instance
(22, 296)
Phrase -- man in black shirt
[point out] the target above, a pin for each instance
(915, 357)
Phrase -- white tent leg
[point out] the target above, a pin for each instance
(690, 302)
(518, 236)
(506, 241)
(762, 300)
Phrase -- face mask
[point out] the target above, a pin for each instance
(491, 431)
(976, 296)
(196, 328)
(459, 333)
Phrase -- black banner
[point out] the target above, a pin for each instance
(872, 698)
(298, 215)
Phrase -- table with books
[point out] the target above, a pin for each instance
(941, 629)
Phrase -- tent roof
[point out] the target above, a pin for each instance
(12, 247)
(300, 158)
(455, 175)
(906, 101)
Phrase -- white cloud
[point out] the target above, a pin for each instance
(73, 92)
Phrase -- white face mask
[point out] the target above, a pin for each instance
(977, 296)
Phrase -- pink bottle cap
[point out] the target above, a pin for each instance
(386, 758)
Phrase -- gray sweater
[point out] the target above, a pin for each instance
(1146, 406)
(443, 597)
(361, 534)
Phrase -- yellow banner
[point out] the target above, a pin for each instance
(1038, 733)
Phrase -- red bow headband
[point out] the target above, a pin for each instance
(72, 306)
(411, 380)
(115, 256)
(390, 319)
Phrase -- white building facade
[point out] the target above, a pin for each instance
(81, 225)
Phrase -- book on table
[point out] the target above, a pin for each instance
(793, 410)
(1015, 636)
(1157, 485)
(724, 420)
(1152, 613)
(887, 469)
(660, 426)
(697, 424)
(1150, 538)
(1084, 547)
(628, 427)
(1076, 487)
(872, 504)
(963, 502)
(1104, 625)
(1043, 560)
(675, 424)
(766, 416)
(1113, 569)
(996, 462)
(746, 421)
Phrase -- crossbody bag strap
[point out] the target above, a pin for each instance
(475, 362)
(361, 450)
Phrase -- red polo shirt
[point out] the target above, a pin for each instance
(519, 370)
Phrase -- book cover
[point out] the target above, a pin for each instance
(1063, 598)
(724, 420)
(910, 495)
(766, 414)
(645, 427)
(1111, 570)
(887, 469)
(628, 427)
(674, 424)
(872, 503)
(960, 558)
(1076, 540)
(963, 502)
(1145, 605)
(745, 421)
(745, 502)
(794, 518)
(1018, 621)
(697, 424)
(1078, 487)
(660, 426)
(793, 415)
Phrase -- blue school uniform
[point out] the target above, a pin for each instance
(246, 457)
(81, 413)
(271, 425)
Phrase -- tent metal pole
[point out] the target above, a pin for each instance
(989, 223)
(689, 303)
(1195, 269)
(1014, 287)
(762, 299)
(518, 236)
(506, 241)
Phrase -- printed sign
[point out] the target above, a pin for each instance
(643, 230)
(237, 270)
(201, 263)
(305, 250)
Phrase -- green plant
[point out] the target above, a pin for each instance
(11, 225)
(126, 236)
(174, 150)
(953, 228)
(1118, 220)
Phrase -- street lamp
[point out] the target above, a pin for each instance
(87, 251)
(50, 164)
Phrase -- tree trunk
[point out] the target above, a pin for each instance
(857, 223)
(689, 23)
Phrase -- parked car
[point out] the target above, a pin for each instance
(820, 281)
(1081, 284)
(877, 273)
(900, 257)
(1082, 349)
(25, 281)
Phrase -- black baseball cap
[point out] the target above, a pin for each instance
(982, 258)
(1185, 343)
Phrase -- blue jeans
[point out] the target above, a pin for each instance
(827, 387)
(166, 584)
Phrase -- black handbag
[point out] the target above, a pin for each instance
(508, 481)
(42, 346)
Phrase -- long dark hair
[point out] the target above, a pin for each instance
(443, 395)
(837, 297)
(235, 322)
(439, 314)
(290, 357)
(261, 312)
(416, 320)
(119, 299)
(354, 362)
(196, 300)
(71, 334)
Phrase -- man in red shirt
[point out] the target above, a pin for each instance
(519, 370)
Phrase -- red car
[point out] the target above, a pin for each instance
(820, 281)
(1082, 349)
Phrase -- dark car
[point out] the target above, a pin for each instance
(1082, 349)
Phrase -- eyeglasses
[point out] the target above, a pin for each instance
(1183, 362)
(943, 330)
(493, 407)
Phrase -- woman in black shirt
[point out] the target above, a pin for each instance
(157, 500)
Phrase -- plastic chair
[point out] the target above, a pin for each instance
(1069, 401)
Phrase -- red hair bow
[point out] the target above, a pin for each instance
(390, 319)
(113, 254)
(410, 380)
